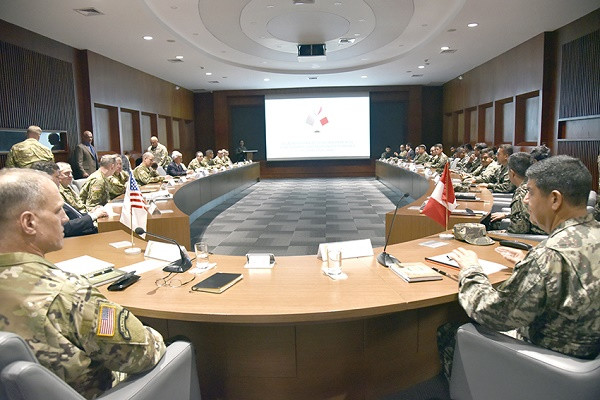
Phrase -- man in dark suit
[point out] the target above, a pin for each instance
(78, 224)
(85, 159)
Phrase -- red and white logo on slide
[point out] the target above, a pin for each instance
(317, 117)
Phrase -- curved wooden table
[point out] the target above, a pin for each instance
(292, 332)
(190, 200)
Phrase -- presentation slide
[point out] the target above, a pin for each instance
(317, 127)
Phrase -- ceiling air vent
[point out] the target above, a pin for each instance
(346, 40)
(303, 2)
(312, 77)
(213, 82)
(417, 75)
(174, 60)
(449, 51)
(88, 12)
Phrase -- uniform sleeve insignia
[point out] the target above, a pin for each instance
(106, 320)
(123, 315)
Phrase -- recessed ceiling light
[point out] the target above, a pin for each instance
(270, 6)
(266, 79)
(473, 25)
(209, 73)
(444, 48)
(421, 66)
(148, 38)
(361, 20)
(364, 59)
(364, 76)
(337, 3)
(357, 34)
(179, 57)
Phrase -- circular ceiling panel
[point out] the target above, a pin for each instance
(308, 27)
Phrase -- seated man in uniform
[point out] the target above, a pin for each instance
(499, 182)
(117, 182)
(520, 222)
(59, 314)
(422, 157)
(552, 298)
(197, 162)
(145, 173)
(387, 153)
(95, 190)
(439, 160)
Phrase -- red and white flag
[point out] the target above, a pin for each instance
(442, 200)
(134, 214)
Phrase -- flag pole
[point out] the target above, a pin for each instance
(131, 222)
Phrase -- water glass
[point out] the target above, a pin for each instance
(201, 249)
(334, 260)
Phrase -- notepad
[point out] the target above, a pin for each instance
(489, 267)
(218, 283)
(415, 272)
(97, 271)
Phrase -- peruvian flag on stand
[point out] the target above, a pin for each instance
(442, 200)
(134, 214)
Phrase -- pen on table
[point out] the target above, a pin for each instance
(439, 271)
(104, 271)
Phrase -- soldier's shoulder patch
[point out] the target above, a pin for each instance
(107, 315)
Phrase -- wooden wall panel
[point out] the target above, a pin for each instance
(587, 151)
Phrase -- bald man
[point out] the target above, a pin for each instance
(25, 153)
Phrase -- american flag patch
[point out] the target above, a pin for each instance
(106, 320)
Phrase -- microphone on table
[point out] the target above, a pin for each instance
(181, 265)
(385, 259)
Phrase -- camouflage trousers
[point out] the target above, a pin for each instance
(446, 341)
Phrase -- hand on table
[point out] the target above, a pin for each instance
(512, 255)
(464, 257)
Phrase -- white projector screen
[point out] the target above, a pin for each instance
(317, 127)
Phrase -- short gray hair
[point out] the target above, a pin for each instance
(107, 160)
(20, 189)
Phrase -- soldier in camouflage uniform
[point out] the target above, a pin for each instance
(95, 190)
(144, 173)
(25, 153)
(197, 162)
(499, 182)
(439, 160)
(486, 169)
(117, 182)
(69, 195)
(552, 298)
(422, 157)
(518, 163)
(159, 151)
(64, 320)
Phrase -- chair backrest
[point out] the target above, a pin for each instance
(79, 183)
(12, 348)
(489, 365)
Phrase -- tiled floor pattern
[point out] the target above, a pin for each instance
(292, 216)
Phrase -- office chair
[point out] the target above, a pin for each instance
(492, 366)
(22, 377)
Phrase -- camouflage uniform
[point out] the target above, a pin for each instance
(25, 153)
(500, 182)
(421, 158)
(60, 316)
(439, 162)
(161, 155)
(95, 191)
(145, 175)
(117, 184)
(470, 167)
(519, 214)
(488, 173)
(195, 164)
(71, 197)
(552, 297)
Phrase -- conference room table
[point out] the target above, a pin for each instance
(408, 222)
(188, 200)
(291, 332)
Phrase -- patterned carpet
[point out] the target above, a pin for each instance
(292, 216)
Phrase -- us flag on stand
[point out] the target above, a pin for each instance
(134, 214)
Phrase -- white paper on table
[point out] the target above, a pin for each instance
(433, 244)
(83, 265)
(144, 266)
(349, 249)
(489, 267)
(121, 244)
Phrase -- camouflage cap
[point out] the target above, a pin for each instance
(472, 233)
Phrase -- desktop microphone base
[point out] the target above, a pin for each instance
(387, 260)
(133, 250)
(178, 266)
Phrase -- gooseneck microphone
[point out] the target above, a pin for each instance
(385, 259)
(181, 265)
